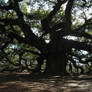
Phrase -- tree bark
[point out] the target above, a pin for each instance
(56, 60)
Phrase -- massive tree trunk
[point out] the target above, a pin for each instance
(56, 63)
(56, 60)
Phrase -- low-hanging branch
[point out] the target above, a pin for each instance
(80, 58)
(76, 66)
(80, 34)
(34, 40)
(6, 56)
(78, 45)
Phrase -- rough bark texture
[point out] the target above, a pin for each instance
(55, 64)
(56, 60)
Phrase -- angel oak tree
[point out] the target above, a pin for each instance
(62, 19)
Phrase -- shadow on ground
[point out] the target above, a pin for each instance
(24, 82)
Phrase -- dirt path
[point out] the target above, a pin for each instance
(21, 82)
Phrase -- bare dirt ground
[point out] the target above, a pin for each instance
(23, 82)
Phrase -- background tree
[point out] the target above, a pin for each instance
(53, 32)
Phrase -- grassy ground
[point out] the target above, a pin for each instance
(23, 82)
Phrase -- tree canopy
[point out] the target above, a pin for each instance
(52, 36)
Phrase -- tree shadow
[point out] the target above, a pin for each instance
(30, 83)
(13, 88)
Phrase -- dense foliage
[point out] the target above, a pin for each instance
(50, 36)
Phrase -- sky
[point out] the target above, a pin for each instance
(6, 1)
